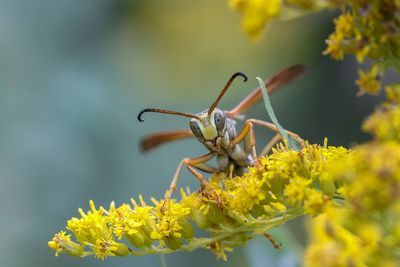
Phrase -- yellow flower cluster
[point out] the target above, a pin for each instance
(368, 29)
(365, 230)
(393, 93)
(286, 184)
(91, 230)
(384, 123)
(257, 13)
(364, 29)
(369, 81)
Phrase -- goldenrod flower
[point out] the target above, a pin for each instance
(369, 81)
(257, 13)
(135, 224)
(287, 184)
(62, 243)
(344, 25)
(91, 226)
(105, 247)
(219, 250)
(315, 202)
(172, 225)
(384, 123)
(364, 230)
(231, 210)
(91, 230)
(393, 93)
(295, 191)
(247, 192)
(338, 40)
(365, 29)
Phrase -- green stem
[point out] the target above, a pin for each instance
(163, 262)
(292, 143)
(252, 227)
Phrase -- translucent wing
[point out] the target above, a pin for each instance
(277, 81)
(156, 139)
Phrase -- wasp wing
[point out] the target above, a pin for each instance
(277, 81)
(156, 139)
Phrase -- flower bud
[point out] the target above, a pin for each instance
(69, 247)
(200, 219)
(328, 187)
(258, 210)
(122, 250)
(135, 239)
(215, 214)
(173, 243)
(62, 243)
(187, 229)
(146, 231)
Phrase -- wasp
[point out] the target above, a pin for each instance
(216, 130)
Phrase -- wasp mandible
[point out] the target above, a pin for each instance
(215, 129)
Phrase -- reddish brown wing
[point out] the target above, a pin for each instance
(154, 140)
(277, 81)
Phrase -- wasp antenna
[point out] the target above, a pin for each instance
(214, 105)
(164, 111)
(139, 116)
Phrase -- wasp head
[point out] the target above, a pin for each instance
(209, 127)
(206, 125)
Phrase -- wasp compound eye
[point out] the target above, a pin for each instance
(219, 120)
(194, 126)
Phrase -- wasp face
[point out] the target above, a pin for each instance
(208, 128)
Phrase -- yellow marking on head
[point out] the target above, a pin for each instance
(210, 132)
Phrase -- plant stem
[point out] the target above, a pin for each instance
(163, 262)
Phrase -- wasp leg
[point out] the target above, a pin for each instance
(269, 237)
(198, 162)
(270, 145)
(205, 185)
(272, 127)
(247, 135)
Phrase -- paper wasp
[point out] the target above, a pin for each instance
(215, 129)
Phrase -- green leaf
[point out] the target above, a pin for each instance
(292, 143)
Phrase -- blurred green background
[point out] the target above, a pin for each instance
(73, 76)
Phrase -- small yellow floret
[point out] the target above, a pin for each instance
(369, 81)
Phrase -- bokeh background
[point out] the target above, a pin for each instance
(73, 76)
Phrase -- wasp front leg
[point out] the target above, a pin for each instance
(199, 163)
(247, 135)
(270, 145)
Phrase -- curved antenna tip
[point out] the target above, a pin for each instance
(214, 105)
(241, 74)
(139, 116)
